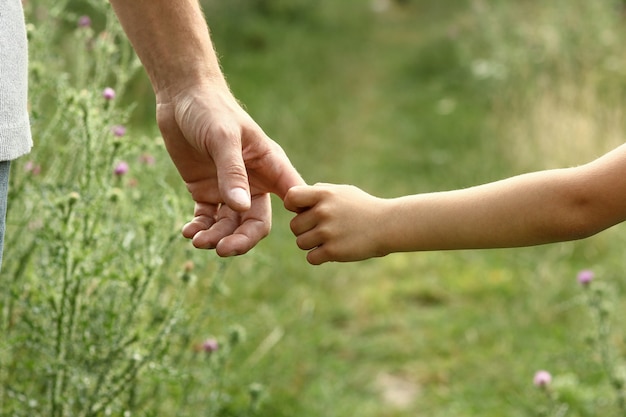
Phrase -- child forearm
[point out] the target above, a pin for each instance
(530, 209)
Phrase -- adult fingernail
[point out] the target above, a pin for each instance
(240, 197)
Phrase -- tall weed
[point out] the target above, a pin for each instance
(92, 301)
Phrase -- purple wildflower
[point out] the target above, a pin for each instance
(121, 168)
(147, 159)
(84, 22)
(585, 277)
(118, 130)
(32, 168)
(210, 345)
(542, 379)
(108, 93)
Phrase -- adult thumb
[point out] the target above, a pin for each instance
(232, 178)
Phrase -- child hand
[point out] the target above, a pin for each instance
(337, 222)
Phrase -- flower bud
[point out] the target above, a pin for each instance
(585, 277)
(121, 169)
(210, 345)
(255, 390)
(84, 22)
(108, 93)
(542, 379)
(237, 335)
(118, 130)
(115, 194)
(73, 197)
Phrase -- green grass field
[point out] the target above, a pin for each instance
(423, 97)
(419, 96)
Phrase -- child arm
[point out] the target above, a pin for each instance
(343, 223)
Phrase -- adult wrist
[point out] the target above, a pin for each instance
(168, 92)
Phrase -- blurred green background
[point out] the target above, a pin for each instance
(402, 97)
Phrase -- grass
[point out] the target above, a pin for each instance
(425, 96)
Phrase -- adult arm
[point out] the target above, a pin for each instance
(222, 155)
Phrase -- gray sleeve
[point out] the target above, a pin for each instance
(15, 136)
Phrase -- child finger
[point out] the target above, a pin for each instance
(302, 223)
(309, 240)
(300, 198)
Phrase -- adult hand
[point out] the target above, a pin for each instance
(228, 164)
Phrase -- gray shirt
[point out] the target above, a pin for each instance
(15, 136)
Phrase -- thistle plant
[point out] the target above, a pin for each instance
(82, 312)
(604, 394)
(600, 304)
(92, 302)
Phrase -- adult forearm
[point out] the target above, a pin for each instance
(172, 41)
